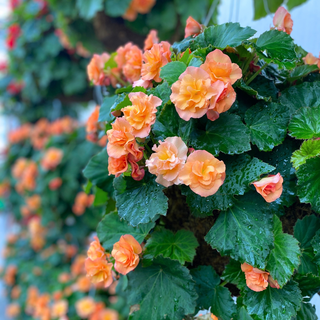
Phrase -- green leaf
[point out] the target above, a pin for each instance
(284, 257)
(305, 123)
(316, 247)
(141, 201)
(260, 7)
(195, 62)
(105, 109)
(121, 101)
(309, 284)
(304, 95)
(97, 172)
(227, 134)
(211, 294)
(250, 91)
(180, 246)
(304, 231)
(244, 232)
(241, 171)
(111, 228)
(88, 8)
(172, 71)
(309, 149)
(233, 274)
(116, 8)
(278, 44)
(195, 8)
(220, 36)
(309, 183)
(100, 197)
(243, 314)
(294, 3)
(274, 304)
(111, 63)
(267, 124)
(162, 91)
(307, 311)
(301, 71)
(169, 124)
(164, 290)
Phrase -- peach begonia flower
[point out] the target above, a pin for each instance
(219, 66)
(126, 254)
(154, 59)
(108, 314)
(120, 138)
(151, 39)
(13, 310)
(141, 115)
(20, 134)
(82, 201)
(137, 172)
(97, 73)
(270, 187)
(223, 103)
(257, 280)
(59, 309)
(96, 251)
(143, 83)
(207, 316)
(16, 292)
(203, 173)
(117, 166)
(168, 160)
(133, 65)
(55, 183)
(138, 6)
(310, 59)
(34, 202)
(92, 123)
(18, 168)
(83, 284)
(193, 28)
(51, 158)
(192, 93)
(99, 270)
(85, 307)
(273, 283)
(282, 20)
(77, 266)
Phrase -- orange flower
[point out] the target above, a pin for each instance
(63, 125)
(257, 280)
(117, 166)
(270, 187)
(142, 113)
(15, 292)
(51, 158)
(143, 83)
(273, 283)
(20, 134)
(219, 66)
(168, 160)
(97, 73)
(10, 275)
(203, 173)
(126, 254)
(77, 266)
(40, 133)
(191, 94)
(34, 202)
(19, 167)
(193, 28)
(310, 59)
(83, 284)
(96, 251)
(59, 309)
(223, 103)
(42, 309)
(120, 137)
(151, 39)
(4, 188)
(138, 6)
(207, 316)
(93, 124)
(108, 314)
(282, 20)
(13, 310)
(137, 172)
(55, 183)
(85, 307)
(99, 270)
(82, 202)
(154, 59)
(133, 64)
(32, 297)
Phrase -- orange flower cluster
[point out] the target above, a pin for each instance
(32, 205)
(122, 147)
(4, 188)
(258, 280)
(9, 277)
(20, 134)
(93, 127)
(82, 202)
(25, 171)
(138, 6)
(125, 253)
(51, 158)
(131, 64)
(207, 89)
(13, 310)
(55, 183)
(37, 233)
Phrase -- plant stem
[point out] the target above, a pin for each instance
(148, 148)
(256, 74)
(119, 80)
(223, 283)
(211, 12)
(247, 63)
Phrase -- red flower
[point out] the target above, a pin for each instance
(14, 88)
(13, 34)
